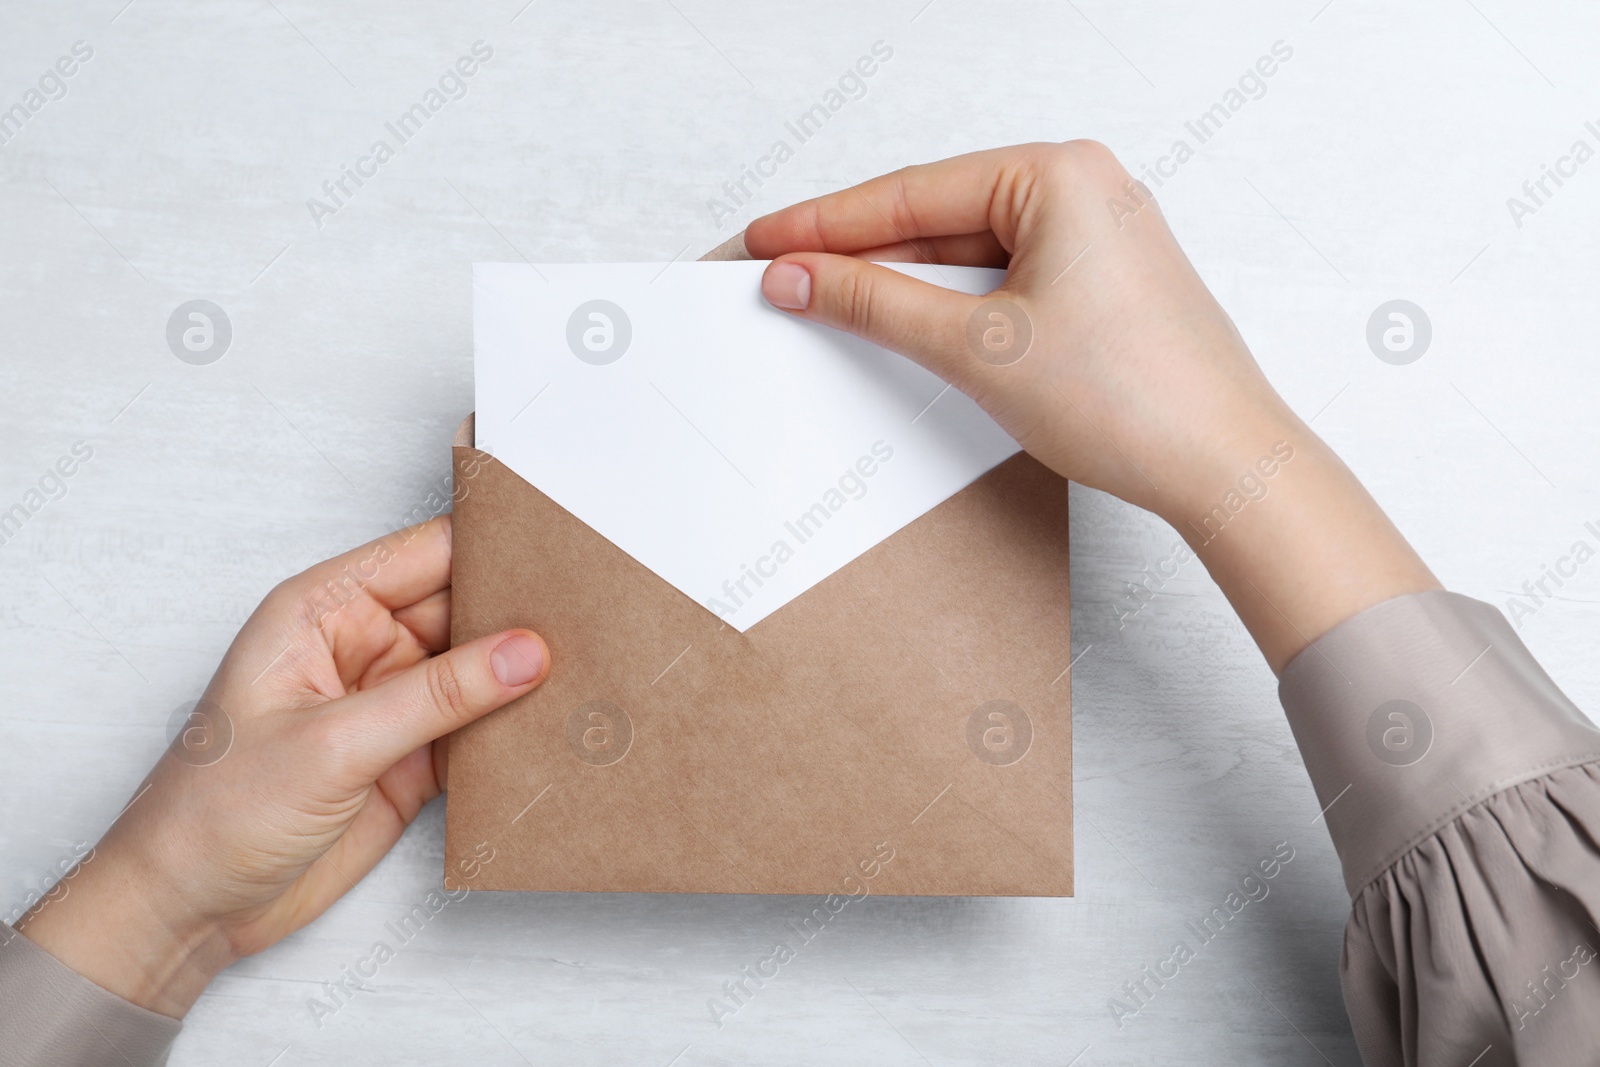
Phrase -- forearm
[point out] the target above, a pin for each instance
(1297, 550)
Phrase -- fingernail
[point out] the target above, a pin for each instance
(787, 285)
(517, 660)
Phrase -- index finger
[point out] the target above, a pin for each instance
(952, 196)
(397, 570)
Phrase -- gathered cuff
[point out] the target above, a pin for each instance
(1417, 710)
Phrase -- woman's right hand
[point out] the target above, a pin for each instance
(1135, 381)
(1104, 355)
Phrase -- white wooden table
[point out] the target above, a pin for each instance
(1374, 165)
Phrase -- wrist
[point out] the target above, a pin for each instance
(1298, 546)
(126, 929)
(1217, 473)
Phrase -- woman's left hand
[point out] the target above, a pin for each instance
(311, 751)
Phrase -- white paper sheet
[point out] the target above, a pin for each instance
(739, 453)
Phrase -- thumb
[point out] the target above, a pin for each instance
(925, 322)
(439, 695)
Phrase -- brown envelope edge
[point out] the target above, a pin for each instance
(902, 728)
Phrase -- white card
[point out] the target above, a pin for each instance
(741, 454)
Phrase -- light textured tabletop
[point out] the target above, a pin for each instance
(178, 161)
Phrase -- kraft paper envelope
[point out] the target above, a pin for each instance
(899, 724)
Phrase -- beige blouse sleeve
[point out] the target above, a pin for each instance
(52, 1015)
(1462, 791)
